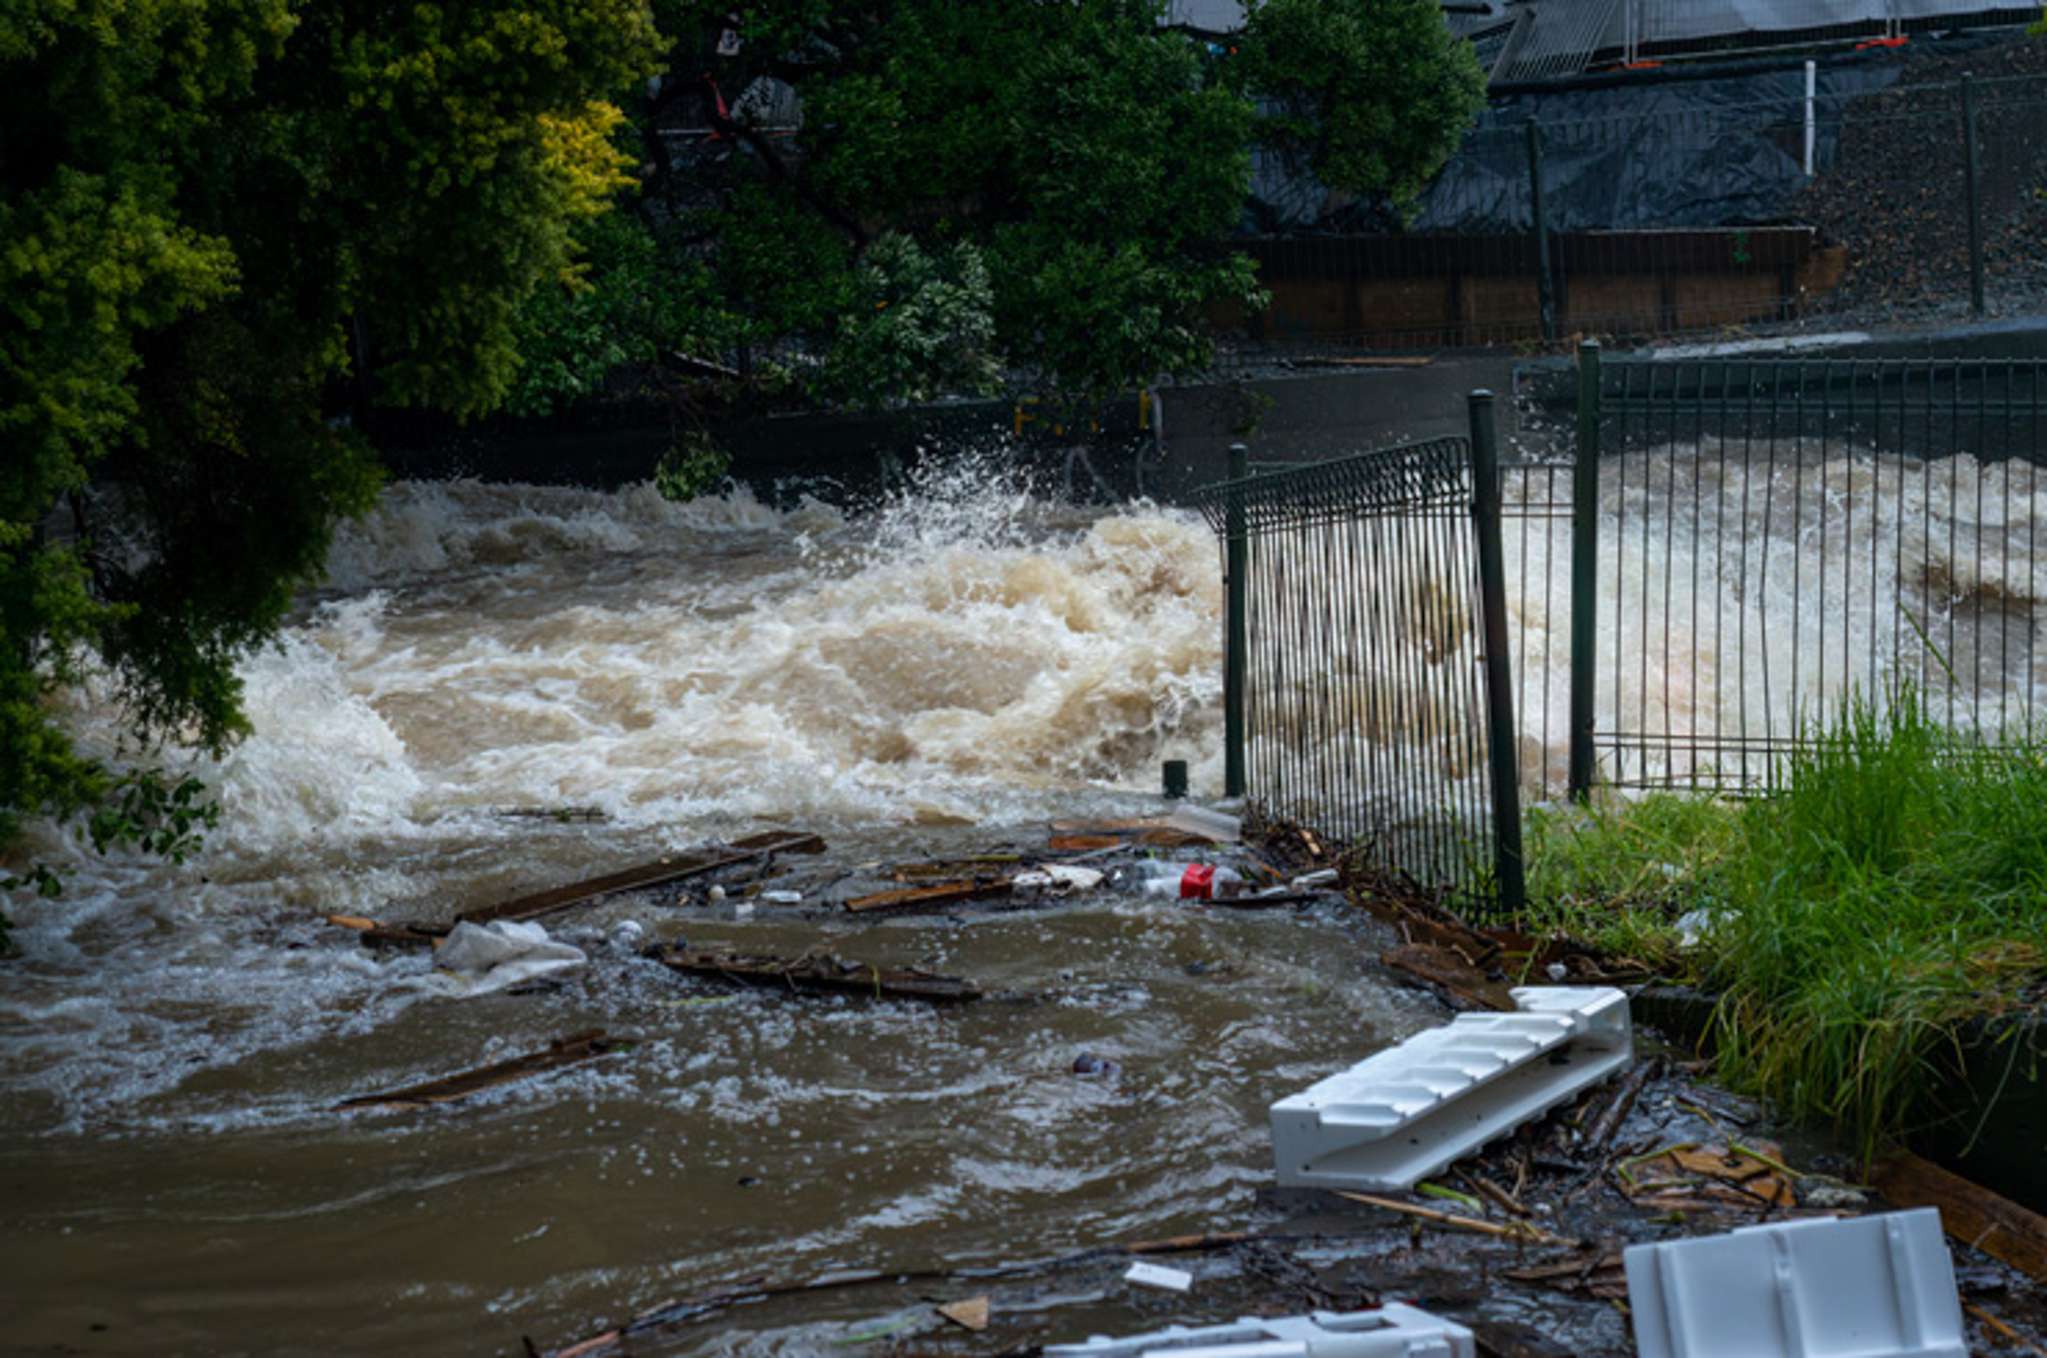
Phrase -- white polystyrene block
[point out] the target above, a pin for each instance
(1860, 1287)
(1399, 1116)
(1392, 1331)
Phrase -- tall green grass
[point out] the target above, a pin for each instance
(1895, 888)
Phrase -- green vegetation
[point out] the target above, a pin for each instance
(861, 205)
(227, 226)
(1891, 891)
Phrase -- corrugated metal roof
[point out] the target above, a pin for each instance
(1561, 37)
(1532, 41)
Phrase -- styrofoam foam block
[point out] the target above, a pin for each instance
(1158, 1275)
(1862, 1287)
(1392, 1331)
(1399, 1116)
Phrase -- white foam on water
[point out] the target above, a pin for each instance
(965, 653)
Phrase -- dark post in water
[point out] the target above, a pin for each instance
(1584, 569)
(1235, 631)
(1499, 689)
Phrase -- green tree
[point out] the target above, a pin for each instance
(225, 225)
(1071, 172)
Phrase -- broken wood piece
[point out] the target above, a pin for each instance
(928, 897)
(1969, 1212)
(1083, 843)
(817, 972)
(1616, 1111)
(1177, 1244)
(986, 865)
(971, 1314)
(375, 934)
(567, 1051)
(2000, 1329)
(1512, 1230)
(656, 873)
(1445, 968)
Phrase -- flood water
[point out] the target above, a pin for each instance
(942, 674)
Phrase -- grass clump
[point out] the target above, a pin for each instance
(1894, 888)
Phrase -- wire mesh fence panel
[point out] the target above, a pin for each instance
(2011, 158)
(1536, 535)
(1779, 540)
(1365, 711)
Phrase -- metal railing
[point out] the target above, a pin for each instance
(1367, 689)
(1739, 548)
(1705, 567)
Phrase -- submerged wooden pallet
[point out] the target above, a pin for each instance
(817, 972)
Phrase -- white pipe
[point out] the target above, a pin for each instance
(1811, 85)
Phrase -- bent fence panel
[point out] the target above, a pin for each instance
(1365, 705)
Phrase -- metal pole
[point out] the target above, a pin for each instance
(1499, 683)
(1812, 83)
(1235, 631)
(1545, 285)
(1974, 174)
(1584, 570)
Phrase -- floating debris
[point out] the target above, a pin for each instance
(930, 897)
(657, 873)
(818, 972)
(567, 1051)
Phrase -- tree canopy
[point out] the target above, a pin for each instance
(874, 203)
(221, 223)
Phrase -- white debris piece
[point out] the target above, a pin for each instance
(1401, 1115)
(480, 958)
(1392, 1331)
(1219, 826)
(1860, 1287)
(1158, 1275)
(1309, 881)
(1058, 877)
(782, 897)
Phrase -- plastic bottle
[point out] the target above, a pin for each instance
(1187, 881)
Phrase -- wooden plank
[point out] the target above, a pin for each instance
(1445, 968)
(818, 973)
(375, 934)
(929, 897)
(567, 1051)
(1969, 1212)
(647, 874)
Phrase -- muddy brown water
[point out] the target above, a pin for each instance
(748, 1134)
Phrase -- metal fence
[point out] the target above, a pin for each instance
(1367, 690)
(1709, 562)
(1854, 203)
(1737, 549)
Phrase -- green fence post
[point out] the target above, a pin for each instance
(1545, 282)
(1584, 570)
(1235, 630)
(1974, 173)
(1499, 681)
